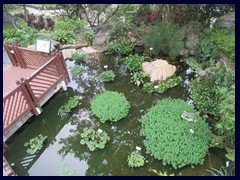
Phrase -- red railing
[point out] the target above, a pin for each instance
(30, 90)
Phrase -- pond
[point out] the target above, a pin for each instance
(63, 148)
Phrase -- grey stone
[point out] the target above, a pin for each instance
(226, 21)
(67, 53)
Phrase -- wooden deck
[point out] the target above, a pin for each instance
(33, 78)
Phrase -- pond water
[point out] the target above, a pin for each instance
(63, 148)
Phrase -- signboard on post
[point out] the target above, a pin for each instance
(43, 45)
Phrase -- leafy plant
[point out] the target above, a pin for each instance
(88, 36)
(107, 76)
(122, 47)
(160, 173)
(69, 25)
(65, 171)
(110, 105)
(67, 107)
(196, 67)
(64, 36)
(134, 62)
(35, 144)
(138, 77)
(163, 86)
(78, 56)
(172, 139)
(94, 139)
(76, 70)
(225, 41)
(11, 33)
(135, 160)
(221, 172)
(165, 38)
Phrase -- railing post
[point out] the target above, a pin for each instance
(19, 57)
(10, 55)
(66, 75)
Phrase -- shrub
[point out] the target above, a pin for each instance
(135, 160)
(76, 70)
(64, 36)
(110, 105)
(171, 139)
(69, 25)
(94, 139)
(165, 38)
(35, 144)
(119, 31)
(163, 86)
(225, 41)
(107, 76)
(78, 56)
(123, 47)
(67, 107)
(134, 62)
(88, 36)
(138, 78)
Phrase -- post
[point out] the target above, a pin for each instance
(66, 75)
(19, 57)
(10, 55)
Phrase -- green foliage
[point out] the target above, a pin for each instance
(65, 171)
(196, 67)
(94, 139)
(67, 107)
(64, 36)
(134, 62)
(122, 47)
(165, 38)
(221, 172)
(110, 105)
(23, 37)
(138, 78)
(35, 144)
(160, 173)
(21, 23)
(168, 137)
(76, 70)
(163, 86)
(69, 25)
(135, 160)
(107, 76)
(78, 56)
(88, 36)
(225, 41)
(119, 31)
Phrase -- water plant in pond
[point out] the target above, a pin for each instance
(135, 160)
(138, 78)
(94, 139)
(67, 107)
(107, 76)
(35, 144)
(162, 87)
(160, 173)
(133, 62)
(76, 70)
(169, 138)
(78, 56)
(110, 105)
(65, 171)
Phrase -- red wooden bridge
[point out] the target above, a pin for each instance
(33, 78)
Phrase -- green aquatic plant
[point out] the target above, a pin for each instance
(107, 76)
(135, 160)
(67, 107)
(94, 139)
(134, 62)
(162, 87)
(160, 173)
(172, 139)
(65, 171)
(138, 78)
(35, 144)
(110, 105)
(78, 56)
(76, 70)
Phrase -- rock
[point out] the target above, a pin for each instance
(192, 41)
(202, 73)
(158, 70)
(190, 117)
(226, 21)
(185, 53)
(67, 53)
(90, 52)
(72, 46)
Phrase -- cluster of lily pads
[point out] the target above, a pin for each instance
(35, 144)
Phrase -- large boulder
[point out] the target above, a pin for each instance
(226, 21)
(90, 52)
(67, 53)
(158, 70)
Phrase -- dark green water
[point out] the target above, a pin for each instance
(63, 147)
